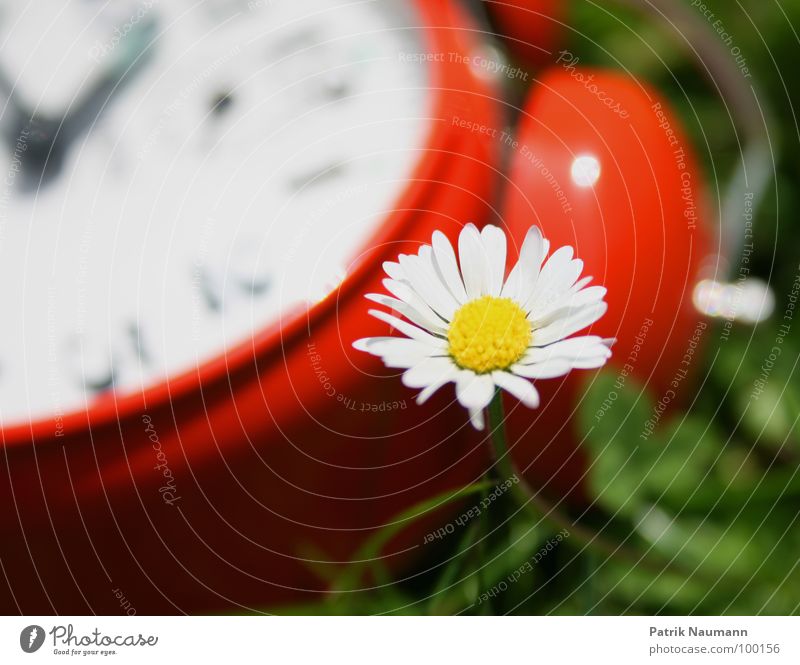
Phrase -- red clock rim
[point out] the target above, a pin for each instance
(438, 19)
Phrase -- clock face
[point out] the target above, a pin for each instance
(194, 171)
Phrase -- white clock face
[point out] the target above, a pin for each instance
(237, 167)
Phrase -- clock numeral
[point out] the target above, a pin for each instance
(243, 274)
(89, 363)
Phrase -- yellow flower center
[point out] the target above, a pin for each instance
(488, 333)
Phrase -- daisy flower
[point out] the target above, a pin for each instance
(464, 321)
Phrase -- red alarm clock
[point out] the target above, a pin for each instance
(184, 422)
(186, 425)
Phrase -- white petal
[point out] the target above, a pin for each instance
(590, 363)
(562, 357)
(474, 391)
(424, 280)
(565, 327)
(445, 260)
(381, 346)
(378, 345)
(588, 296)
(547, 369)
(428, 259)
(393, 270)
(431, 388)
(409, 330)
(399, 352)
(431, 323)
(574, 348)
(430, 371)
(583, 281)
(553, 277)
(522, 278)
(521, 388)
(566, 305)
(403, 291)
(445, 376)
(473, 260)
(476, 418)
(368, 344)
(571, 274)
(558, 260)
(548, 362)
(553, 288)
(584, 345)
(494, 244)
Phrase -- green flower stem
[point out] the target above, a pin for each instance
(541, 509)
(530, 501)
(481, 549)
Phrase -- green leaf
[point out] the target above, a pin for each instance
(682, 454)
(612, 415)
(370, 549)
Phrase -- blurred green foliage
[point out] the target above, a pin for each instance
(708, 505)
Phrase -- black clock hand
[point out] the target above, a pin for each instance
(41, 143)
(29, 138)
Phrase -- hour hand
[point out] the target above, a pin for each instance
(40, 136)
(31, 139)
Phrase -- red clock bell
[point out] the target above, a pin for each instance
(602, 164)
